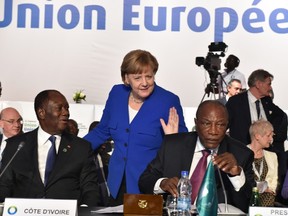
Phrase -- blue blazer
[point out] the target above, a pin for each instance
(135, 143)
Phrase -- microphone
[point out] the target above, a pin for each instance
(20, 146)
(213, 152)
(235, 211)
(224, 191)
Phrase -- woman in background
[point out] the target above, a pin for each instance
(265, 165)
(135, 117)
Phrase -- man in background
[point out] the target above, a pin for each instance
(72, 127)
(234, 87)
(230, 72)
(254, 104)
(11, 123)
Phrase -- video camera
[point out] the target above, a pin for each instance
(212, 62)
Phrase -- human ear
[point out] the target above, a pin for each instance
(126, 82)
(41, 113)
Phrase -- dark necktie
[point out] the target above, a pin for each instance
(257, 102)
(51, 157)
(198, 174)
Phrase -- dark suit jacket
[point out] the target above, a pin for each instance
(73, 177)
(240, 119)
(222, 100)
(176, 154)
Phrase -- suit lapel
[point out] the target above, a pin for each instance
(31, 148)
(266, 107)
(190, 145)
(64, 152)
(246, 106)
(223, 146)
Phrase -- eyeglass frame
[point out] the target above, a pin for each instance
(12, 121)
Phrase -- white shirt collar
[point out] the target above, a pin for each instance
(251, 97)
(4, 137)
(43, 136)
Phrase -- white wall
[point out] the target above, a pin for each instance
(42, 57)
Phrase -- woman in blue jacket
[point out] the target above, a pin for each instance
(135, 117)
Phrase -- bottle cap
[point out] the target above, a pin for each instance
(184, 173)
(255, 189)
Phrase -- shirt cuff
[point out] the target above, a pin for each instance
(157, 189)
(238, 181)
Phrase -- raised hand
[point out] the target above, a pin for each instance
(173, 122)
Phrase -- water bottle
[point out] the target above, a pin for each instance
(184, 194)
(254, 201)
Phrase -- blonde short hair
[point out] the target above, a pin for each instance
(260, 127)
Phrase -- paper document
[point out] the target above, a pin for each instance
(115, 209)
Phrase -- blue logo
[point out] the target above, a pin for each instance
(12, 210)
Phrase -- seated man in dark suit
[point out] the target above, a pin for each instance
(182, 151)
(70, 175)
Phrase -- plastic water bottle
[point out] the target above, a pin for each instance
(184, 198)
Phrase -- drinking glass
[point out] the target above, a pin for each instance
(171, 205)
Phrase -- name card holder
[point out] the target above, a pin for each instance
(267, 211)
(33, 207)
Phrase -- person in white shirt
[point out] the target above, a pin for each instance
(230, 72)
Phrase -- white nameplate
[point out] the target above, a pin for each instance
(267, 211)
(33, 207)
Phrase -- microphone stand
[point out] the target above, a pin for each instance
(222, 184)
(224, 191)
(20, 146)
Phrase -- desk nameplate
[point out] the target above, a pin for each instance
(267, 211)
(33, 207)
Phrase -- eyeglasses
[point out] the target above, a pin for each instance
(12, 122)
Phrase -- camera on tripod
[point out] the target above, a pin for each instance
(212, 63)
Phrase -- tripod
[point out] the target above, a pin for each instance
(213, 87)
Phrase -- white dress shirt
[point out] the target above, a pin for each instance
(3, 145)
(235, 74)
(252, 106)
(43, 147)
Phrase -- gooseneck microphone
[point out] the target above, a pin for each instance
(213, 152)
(20, 146)
(224, 191)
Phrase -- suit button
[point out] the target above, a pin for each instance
(127, 130)
(124, 158)
(125, 144)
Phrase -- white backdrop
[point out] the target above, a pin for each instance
(83, 114)
(57, 51)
